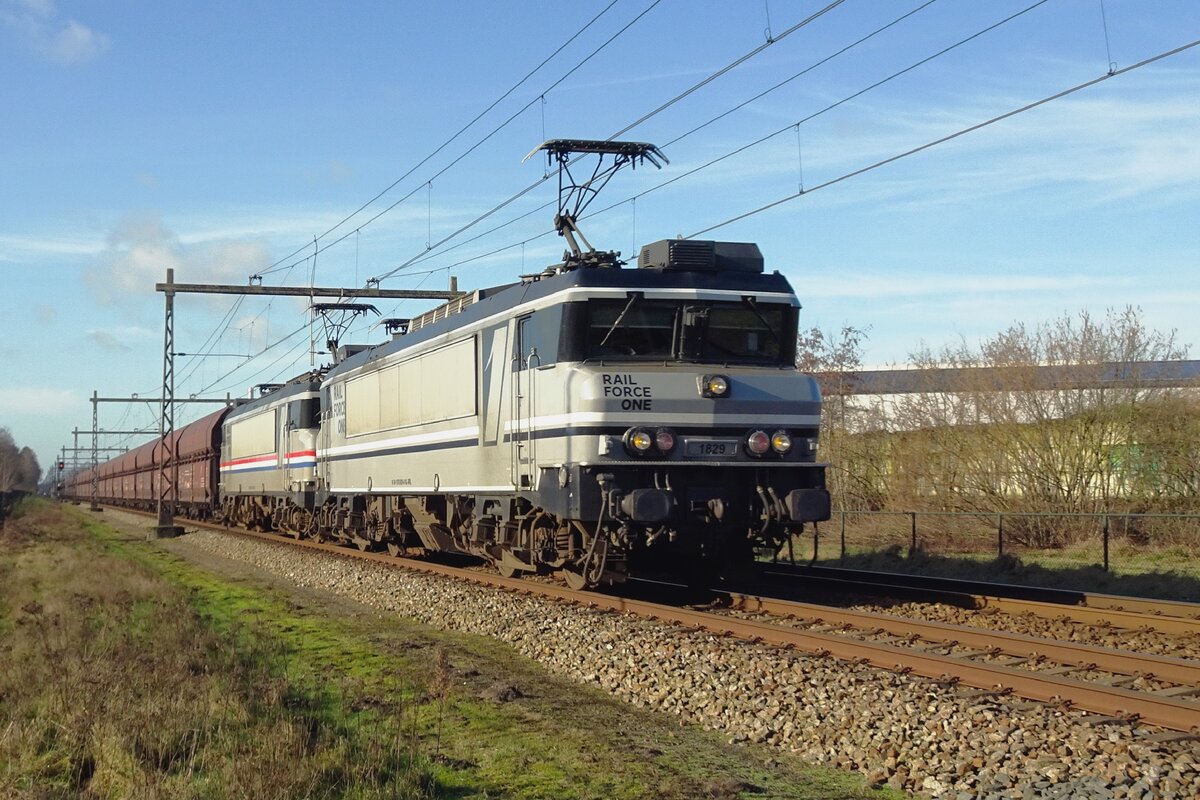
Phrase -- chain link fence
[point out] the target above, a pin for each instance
(1145, 554)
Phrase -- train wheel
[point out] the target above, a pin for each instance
(574, 580)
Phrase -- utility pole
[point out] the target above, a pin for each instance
(166, 422)
(95, 450)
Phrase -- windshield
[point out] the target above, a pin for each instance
(691, 331)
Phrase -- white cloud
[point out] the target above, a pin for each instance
(15, 248)
(141, 249)
(36, 401)
(339, 171)
(1130, 137)
(118, 340)
(75, 43)
(49, 34)
(108, 342)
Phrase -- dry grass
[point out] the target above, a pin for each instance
(114, 686)
(126, 671)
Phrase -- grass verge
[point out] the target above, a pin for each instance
(137, 673)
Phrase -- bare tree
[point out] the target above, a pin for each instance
(835, 360)
(30, 471)
(19, 469)
(9, 461)
(1001, 437)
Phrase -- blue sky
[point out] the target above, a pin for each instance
(217, 138)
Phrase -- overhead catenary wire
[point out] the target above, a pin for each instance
(213, 339)
(303, 328)
(664, 106)
(955, 135)
(730, 66)
(825, 110)
(482, 141)
(761, 140)
(449, 141)
(295, 355)
(677, 139)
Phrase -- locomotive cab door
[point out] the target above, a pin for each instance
(525, 361)
(283, 437)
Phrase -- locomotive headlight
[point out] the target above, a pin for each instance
(638, 440)
(781, 442)
(714, 386)
(664, 440)
(758, 443)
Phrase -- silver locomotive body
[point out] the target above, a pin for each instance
(593, 421)
(268, 458)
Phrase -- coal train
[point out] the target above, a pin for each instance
(592, 420)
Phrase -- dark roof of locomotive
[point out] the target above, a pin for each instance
(308, 382)
(497, 299)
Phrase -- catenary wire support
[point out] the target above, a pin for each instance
(95, 506)
(428, 215)
(134, 399)
(1112, 65)
(168, 469)
(800, 157)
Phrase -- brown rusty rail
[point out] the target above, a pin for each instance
(1156, 709)
(1090, 614)
(1165, 668)
(1130, 613)
(1162, 710)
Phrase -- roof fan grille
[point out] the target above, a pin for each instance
(691, 255)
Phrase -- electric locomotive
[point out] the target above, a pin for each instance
(268, 458)
(590, 419)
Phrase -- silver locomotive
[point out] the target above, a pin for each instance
(591, 420)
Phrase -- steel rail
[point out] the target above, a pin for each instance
(1164, 668)
(1161, 710)
(1155, 709)
(1133, 613)
(1117, 618)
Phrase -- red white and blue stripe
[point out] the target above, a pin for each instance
(297, 460)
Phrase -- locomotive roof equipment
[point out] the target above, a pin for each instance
(336, 319)
(574, 196)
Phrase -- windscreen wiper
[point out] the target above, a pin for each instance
(634, 297)
(753, 306)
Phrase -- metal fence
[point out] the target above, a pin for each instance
(1152, 554)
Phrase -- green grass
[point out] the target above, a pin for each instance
(164, 678)
(118, 686)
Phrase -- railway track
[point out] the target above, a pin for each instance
(1128, 613)
(1172, 708)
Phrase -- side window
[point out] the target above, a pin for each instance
(521, 343)
(538, 334)
(302, 413)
